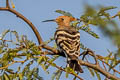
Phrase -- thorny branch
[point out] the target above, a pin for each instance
(56, 52)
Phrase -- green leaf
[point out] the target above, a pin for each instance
(55, 46)
(56, 75)
(20, 76)
(107, 8)
(53, 76)
(103, 13)
(40, 60)
(43, 66)
(90, 11)
(6, 77)
(68, 70)
(48, 41)
(64, 13)
(91, 71)
(54, 58)
(67, 74)
(18, 69)
(83, 47)
(53, 64)
(89, 31)
(98, 75)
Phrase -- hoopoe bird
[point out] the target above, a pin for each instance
(67, 39)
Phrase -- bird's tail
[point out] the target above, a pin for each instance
(74, 64)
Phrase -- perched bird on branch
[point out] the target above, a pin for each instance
(67, 39)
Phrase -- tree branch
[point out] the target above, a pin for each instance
(4, 67)
(99, 69)
(70, 73)
(7, 4)
(25, 19)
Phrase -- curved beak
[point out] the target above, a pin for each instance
(52, 20)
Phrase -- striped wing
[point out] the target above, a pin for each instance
(68, 41)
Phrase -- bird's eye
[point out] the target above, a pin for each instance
(62, 19)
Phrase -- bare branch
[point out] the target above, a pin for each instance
(95, 57)
(26, 20)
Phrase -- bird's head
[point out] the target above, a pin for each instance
(63, 20)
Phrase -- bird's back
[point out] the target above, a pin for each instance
(68, 41)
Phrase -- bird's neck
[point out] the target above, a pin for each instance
(67, 28)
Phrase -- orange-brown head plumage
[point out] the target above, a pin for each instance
(64, 20)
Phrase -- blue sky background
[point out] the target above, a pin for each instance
(39, 10)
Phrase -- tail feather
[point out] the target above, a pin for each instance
(74, 65)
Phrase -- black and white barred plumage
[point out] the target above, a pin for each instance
(68, 42)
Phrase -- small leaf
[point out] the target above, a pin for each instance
(91, 71)
(67, 69)
(107, 8)
(40, 60)
(20, 76)
(6, 77)
(64, 13)
(0, 36)
(67, 74)
(89, 31)
(48, 41)
(53, 64)
(98, 75)
(55, 46)
(74, 24)
(56, 75)
(43, 66)
(83, 47)
(59, 74)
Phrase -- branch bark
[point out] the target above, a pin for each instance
(99, 69)
(7, 4)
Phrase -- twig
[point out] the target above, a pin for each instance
(7, 4)
(7, 66)
(99, 69)
(101, 59)
(11, 64)
(90, 51)
(70, 72)
(104, 66)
